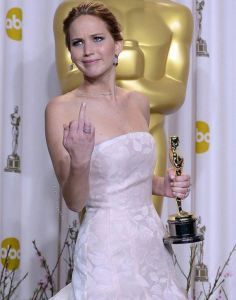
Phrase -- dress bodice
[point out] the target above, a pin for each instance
(119, 252)
(121, 169)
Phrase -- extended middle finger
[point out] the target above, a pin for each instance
(81, 119)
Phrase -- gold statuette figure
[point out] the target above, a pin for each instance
(178, 163)
(182, 226)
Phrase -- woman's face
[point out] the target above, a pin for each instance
(92, 46)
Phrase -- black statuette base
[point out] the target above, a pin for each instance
(183, 231)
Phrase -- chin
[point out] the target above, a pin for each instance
(96, 73)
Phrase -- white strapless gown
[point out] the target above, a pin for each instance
(119, 253)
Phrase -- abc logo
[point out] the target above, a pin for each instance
(202, 137)
(14, 23)
(13, 254)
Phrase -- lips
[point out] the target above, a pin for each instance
(90, 61)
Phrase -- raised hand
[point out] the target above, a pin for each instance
(79, 138)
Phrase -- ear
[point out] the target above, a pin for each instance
(118, 47)
(71, 57)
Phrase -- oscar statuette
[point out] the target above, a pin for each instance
(182, 226)
(201, 45)
(13, 159)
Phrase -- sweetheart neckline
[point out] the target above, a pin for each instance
(117, 137)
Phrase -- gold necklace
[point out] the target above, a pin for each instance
(94, 95)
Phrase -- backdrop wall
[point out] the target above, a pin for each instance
(30, 199)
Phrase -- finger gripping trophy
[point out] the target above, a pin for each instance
(182, 227)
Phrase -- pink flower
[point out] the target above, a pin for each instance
(228, 274)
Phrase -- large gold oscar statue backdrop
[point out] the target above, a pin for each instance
(155, 59)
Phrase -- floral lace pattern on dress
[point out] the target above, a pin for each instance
(119, 252)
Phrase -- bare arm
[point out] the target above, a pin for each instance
(70, 150)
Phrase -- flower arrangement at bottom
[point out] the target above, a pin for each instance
(197, 275)
(46, 287)
(8, 282)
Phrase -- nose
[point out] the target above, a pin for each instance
(88, 48)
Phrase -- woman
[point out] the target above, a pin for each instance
(104, 160)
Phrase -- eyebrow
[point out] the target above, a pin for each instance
(97, 34)
(94, 34)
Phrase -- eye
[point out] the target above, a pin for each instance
(98, 38)
(77, 42)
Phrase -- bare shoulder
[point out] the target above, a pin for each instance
(63, 107)
(141, 102)
(140, 99)
(58, 103)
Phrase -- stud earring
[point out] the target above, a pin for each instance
(71, 66)
(115, 60)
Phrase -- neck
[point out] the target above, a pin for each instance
(99, 86)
